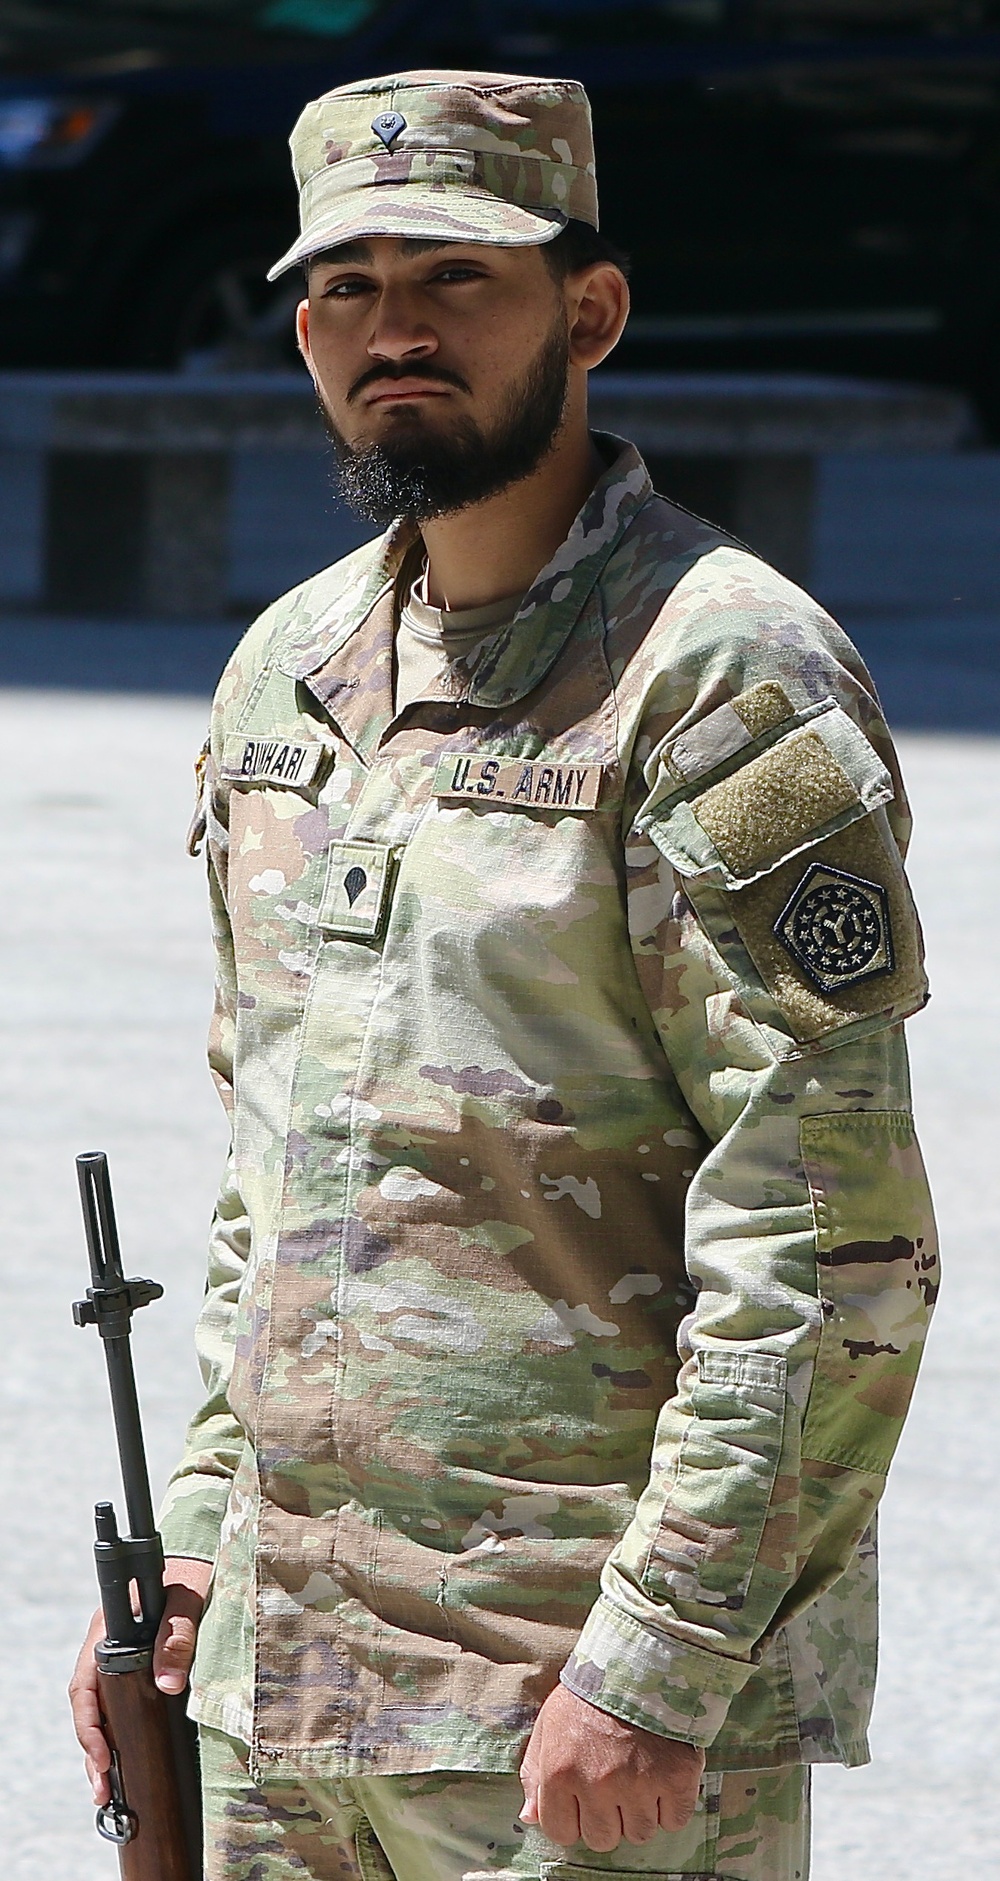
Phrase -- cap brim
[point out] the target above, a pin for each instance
(430, 215)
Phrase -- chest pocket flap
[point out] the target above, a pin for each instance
(787, 857)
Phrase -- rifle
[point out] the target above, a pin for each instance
(154, 1815)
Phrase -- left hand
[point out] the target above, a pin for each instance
(589, 1777)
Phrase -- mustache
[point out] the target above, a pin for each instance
(388, 372)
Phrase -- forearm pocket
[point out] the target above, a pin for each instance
(876, 1264)
(708, 1537)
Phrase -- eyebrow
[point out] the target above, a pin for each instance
(346, 252)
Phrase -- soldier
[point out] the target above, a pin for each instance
(574, 1256)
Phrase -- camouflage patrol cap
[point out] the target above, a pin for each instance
(446, 156)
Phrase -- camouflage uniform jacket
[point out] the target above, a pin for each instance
(573, 1263)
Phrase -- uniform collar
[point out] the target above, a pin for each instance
(515, 662)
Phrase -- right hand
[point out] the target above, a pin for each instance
(187, 1584)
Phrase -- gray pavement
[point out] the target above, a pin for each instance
(105, 963)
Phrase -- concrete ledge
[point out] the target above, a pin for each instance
(762, 414)
(159, 411)
(133, 471)
(703, 413)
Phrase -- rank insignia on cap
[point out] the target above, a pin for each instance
(388, 125)
(836, 927)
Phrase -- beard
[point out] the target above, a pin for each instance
(420, 472)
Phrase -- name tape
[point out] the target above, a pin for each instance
(270, 760)
(519, 783)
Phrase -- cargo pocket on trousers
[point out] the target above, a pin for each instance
(372, 1859)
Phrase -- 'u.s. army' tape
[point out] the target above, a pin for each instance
(519, 783)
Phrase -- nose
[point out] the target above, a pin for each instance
(399, 332)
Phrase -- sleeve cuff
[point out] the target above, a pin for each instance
(648, 1678)
(191, 1516)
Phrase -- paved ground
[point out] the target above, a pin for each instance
(104, 961)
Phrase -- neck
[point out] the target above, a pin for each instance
(497, 547)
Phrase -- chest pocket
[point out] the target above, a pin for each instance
(785, 853)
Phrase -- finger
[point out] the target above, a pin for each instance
(86, 1707)
(173, 1653)
(640, 1821)
(558, 1813)
(528, 1774)
(529, 1784)
(98, 1782)
(175, 1641)
(600, 1825)
(684, 1784)
(89, 1727)
(677, 1801)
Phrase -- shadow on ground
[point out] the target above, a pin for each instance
(934, 672)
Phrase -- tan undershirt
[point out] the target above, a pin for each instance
(432, 640)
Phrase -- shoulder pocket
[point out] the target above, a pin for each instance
(786, 854)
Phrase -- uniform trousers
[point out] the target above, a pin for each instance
(750, 1825)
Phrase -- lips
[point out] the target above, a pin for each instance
(406, 389)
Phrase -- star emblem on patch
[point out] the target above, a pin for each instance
(836, 928)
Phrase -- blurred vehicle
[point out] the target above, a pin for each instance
(801, 183)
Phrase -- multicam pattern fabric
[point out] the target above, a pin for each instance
(750, 1825)
(476, 157)
(573, 1262)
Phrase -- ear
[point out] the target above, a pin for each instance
(302, 334)
(597, 308)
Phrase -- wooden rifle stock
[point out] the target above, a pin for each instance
(154, 1815)
(147, 1803)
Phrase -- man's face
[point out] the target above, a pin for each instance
(441, 367)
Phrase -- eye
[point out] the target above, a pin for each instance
(460, 271)
(347, 289)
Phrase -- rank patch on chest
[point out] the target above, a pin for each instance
(264, 760)
(356, 894)
(836, 927)
(519, 783)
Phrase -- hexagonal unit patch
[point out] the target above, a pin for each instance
(836, 928)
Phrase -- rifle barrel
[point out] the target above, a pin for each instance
(114, 1322)
(154, 1815)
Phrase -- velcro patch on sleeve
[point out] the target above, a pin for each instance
(790, 864)
(775, 803)
(838, 928)
(254, 758)
(816, 779)
(519, 783)
(834, 934)
(722, 734)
